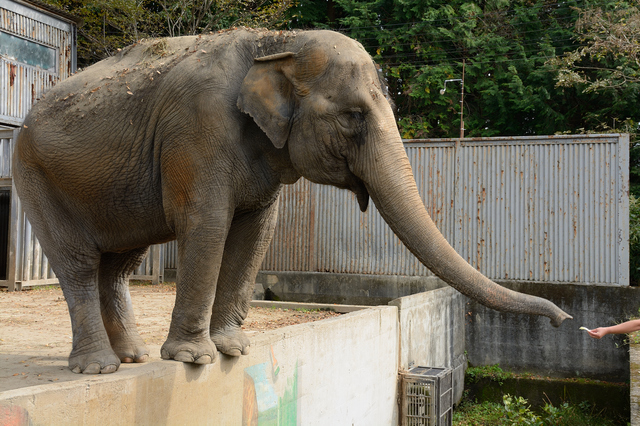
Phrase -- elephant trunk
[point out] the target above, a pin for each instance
(390, 183)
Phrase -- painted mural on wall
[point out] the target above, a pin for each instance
(262, 406)
(14, 416)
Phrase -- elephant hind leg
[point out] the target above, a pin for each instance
(77, 272)
(92, 352)
(115, 304)
(246, 245)
(75, 260)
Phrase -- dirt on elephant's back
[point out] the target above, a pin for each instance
(35, 330)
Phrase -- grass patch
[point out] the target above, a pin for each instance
(493, 396)
(498, 375)
(43, 287)
(491, 372)
(478, 414)
(516, 410)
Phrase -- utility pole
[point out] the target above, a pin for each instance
(462, 102)
(444, 89)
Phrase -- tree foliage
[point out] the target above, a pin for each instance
(507, 47)
(109, 25)
(531, 67)
(609, 55)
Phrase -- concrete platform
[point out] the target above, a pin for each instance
(341, 370)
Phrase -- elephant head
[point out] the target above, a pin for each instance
(326, 105)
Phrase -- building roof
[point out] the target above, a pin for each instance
(51, 10)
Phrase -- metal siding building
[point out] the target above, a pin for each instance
(37, 50)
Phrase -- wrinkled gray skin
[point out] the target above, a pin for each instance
(191, 139)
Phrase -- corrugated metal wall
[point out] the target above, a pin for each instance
(552, 209)
(22, 84)
(32, 266)
(532, 209)
(6, 152)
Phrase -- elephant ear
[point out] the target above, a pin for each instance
(268, 95)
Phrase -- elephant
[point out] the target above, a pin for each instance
(191, 139)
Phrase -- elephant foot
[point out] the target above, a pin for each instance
(196, 352)
(101, 362)
(130, 350)
(231, 341)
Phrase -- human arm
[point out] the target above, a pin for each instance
(625, 327)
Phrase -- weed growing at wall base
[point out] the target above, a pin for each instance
(515, 410)
(634, 239)
(493, 372)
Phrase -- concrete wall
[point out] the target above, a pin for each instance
(527, 343)
(432, 332)
(353, 289)
(344, 370)
(336, 371)
(515, 342)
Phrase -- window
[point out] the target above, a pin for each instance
(28, 52)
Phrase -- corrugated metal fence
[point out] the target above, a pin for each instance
(552, 209)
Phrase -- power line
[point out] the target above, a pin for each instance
(565, 4)
(511, 44)
(508, 24)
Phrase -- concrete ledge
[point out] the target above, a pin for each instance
(337, 371)
(353, 289)
(341, 309)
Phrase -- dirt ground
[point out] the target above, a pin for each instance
(35, 330)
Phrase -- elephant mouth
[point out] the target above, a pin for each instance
(358, 187)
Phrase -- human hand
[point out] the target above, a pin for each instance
(598, 333)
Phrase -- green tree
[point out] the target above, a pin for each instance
(504, 44)
(508, 47)
(200, 16)
(109, 25)
(609, 55)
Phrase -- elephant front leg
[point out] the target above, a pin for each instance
(247, 243)
(199, 257)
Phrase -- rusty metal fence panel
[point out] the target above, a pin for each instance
(32, 267)
(551, 209)
(545, 209)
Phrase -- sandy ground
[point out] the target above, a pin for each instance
(35, 330)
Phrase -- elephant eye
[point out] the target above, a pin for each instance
(354, 125)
